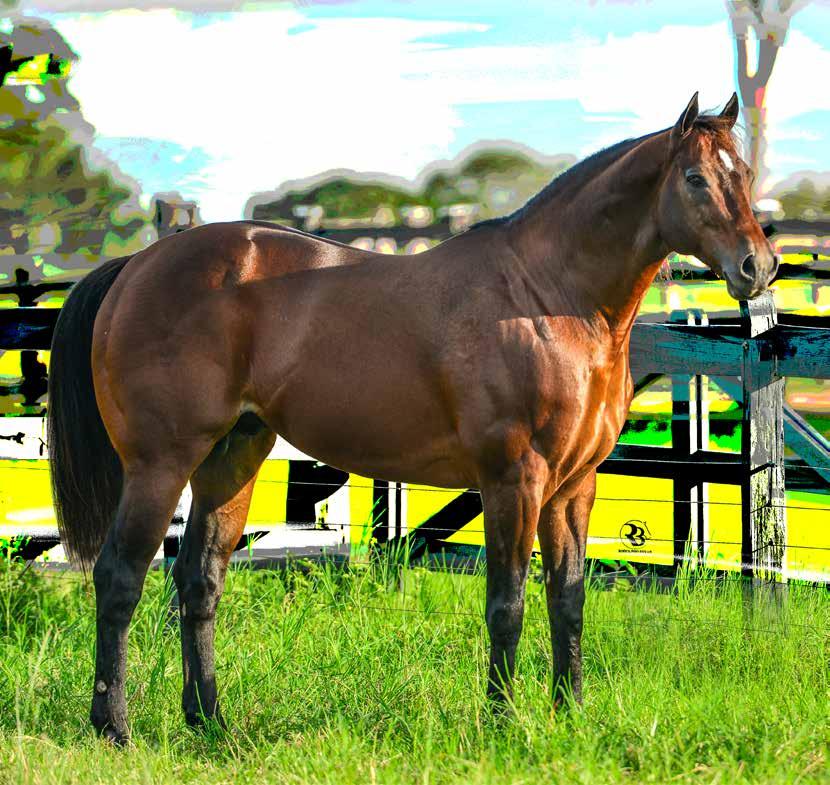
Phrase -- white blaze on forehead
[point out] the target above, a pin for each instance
(727, 161)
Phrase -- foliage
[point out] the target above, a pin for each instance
(497, 181)
(48, 190)
(21, 590)
(806, 201)
(52, 199)
(341, 197)
(346, 677)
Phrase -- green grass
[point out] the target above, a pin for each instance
(343, 677)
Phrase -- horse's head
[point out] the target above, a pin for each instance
(704, 206)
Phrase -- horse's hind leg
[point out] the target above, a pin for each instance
(222, 488)
(148, 500)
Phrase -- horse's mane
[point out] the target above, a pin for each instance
(583, 171)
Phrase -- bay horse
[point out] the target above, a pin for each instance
(497, 360)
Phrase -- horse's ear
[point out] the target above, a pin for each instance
(730, 111)
(684, 125)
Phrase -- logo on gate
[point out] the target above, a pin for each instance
(634, 533)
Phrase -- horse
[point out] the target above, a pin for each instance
(497, 360)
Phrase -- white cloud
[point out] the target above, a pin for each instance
(96, 6)
(799, 79)
(265, 105)
(366, 94)
(797, 86)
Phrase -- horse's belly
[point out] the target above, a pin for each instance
(383, 422)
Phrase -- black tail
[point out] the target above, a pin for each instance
(85, 469)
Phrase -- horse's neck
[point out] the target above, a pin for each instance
(594, 248)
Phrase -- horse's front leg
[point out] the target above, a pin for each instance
(563, 532)
(511, 514)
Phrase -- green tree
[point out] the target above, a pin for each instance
(496, 181)
(805, 201)
(51, 199)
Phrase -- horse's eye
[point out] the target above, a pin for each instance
(696, 180)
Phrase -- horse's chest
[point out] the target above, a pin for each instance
(581, 407)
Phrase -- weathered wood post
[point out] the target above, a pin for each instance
(763, 532)
(689, 433)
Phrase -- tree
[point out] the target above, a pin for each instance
(496, 181)
(52, 198)
(805, 201)
(760, 28)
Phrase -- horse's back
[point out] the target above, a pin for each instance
(226, 254)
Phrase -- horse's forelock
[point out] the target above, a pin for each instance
(725, 132)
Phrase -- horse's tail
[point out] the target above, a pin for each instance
(85, 469)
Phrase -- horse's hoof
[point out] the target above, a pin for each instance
(115, 737)
(199, 720)
(110, 730)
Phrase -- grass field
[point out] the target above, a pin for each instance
(345, 677)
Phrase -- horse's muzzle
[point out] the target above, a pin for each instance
(752, 275)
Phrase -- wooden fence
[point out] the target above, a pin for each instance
(748, 358)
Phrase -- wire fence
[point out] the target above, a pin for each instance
(656, 620)
(700, 549)
(427, 489)
(697, 567)
(691, 570)
(467, 529)
(653, 621)
(414, 530)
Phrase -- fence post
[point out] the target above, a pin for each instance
(380, 512)
(701, 425)
(763, 531)
(689, 433)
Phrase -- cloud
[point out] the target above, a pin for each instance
(269, 97)
(265, 105)
(799, 81)
(102, 6)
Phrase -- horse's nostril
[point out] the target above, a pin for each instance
(748, 267)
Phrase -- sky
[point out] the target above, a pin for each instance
(218, 103)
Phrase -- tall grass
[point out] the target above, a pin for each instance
(368, 675)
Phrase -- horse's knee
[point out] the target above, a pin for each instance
(567, 608)
(504, 622)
